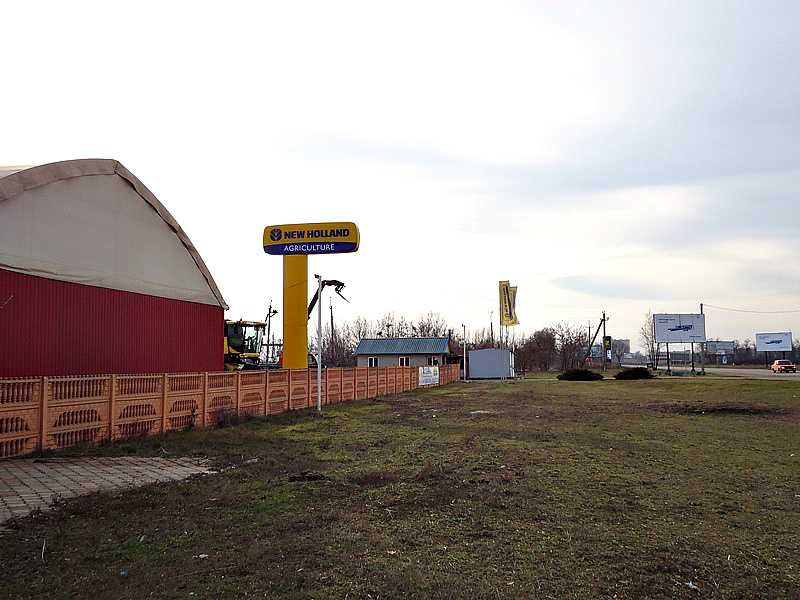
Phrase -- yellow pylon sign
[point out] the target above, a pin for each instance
(295, 242)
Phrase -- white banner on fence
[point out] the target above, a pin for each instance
(680, 329)
(774, 342)
(429, 375)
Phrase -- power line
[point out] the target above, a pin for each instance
(757, 312)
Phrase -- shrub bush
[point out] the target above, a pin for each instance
(580, 375)
(634, 373)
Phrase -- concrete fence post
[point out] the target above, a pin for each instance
(238, 391)
(309, 399)
(266, 392)
(164, 385)
(205, 397)
(43, 415)
(112, 409)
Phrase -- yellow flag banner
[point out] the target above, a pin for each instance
(508, 299)
(513, 290)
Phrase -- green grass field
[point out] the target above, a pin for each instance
(672, 488)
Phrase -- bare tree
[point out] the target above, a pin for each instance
(481, 339)
(338, 347)
(572, 343)
(359, 329)
(537, 351)
(385, 326)
(430, 325)
(618, 350)
(647, 338)
(402, 328)
(544, 348)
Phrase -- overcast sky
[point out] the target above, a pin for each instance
(623, 156)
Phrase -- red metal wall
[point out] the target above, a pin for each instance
(50, 327)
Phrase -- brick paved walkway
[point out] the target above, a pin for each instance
(28, 484)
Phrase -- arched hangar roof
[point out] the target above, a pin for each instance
(92, 221)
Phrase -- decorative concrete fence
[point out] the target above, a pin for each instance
(56, 412)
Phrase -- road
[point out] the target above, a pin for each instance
(752, 373)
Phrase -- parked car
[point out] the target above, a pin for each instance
(783, 366)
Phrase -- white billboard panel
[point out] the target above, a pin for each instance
(720, 348)
(680, 329)
(774, 342)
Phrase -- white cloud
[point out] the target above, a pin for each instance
(589, 152)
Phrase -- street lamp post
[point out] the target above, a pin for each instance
(464, 327)
(319, 343)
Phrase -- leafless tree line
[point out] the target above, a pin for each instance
(562, 346)
(339, 343)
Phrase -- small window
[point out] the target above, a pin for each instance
(372, 361)
(404, 361)
(433, 361)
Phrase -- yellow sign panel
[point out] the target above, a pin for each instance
(508, 304)
(311, 238)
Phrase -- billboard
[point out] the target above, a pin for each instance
(774, 342)
(719, 348)
(679, 328)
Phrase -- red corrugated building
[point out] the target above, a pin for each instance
(96, 276)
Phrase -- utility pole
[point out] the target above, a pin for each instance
(605, 352)
(600, 325)
(319, 343)
(491, 327)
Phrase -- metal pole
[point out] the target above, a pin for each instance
(692, 350)
(500, 331)
(269, 325)
(465, 351)
(319, 343)
(704, 347)
(669, 366)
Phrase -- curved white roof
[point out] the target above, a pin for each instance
(5, 170)
(93, 222)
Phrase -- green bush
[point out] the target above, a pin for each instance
(580, 375)
(634, 373)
